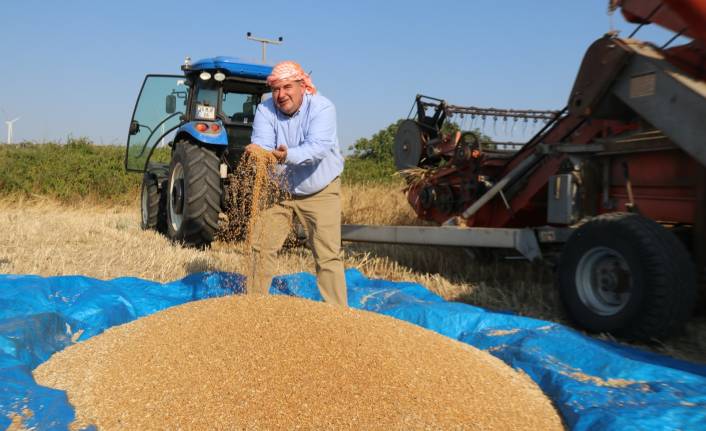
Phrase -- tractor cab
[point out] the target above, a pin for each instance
(214, 103)
(225, 95)
(206, 117)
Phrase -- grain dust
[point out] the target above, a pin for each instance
(277, 362)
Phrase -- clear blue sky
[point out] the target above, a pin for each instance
(75, 67)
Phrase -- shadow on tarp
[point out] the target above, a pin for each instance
(594, 384)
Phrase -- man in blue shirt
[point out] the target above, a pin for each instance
(299, 127)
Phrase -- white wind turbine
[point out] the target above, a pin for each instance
(9, 129)
(9, 125)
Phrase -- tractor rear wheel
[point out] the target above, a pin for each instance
(626, 274)
(193, 194)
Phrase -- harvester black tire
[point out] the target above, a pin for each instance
(193, 194)
(652, 265)
(149, 202)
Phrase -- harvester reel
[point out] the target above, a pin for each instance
(409, 146)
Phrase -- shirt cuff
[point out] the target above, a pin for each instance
(295, 156)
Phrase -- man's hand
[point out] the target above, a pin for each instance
(280, 153)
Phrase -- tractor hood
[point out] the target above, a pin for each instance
(230, 65)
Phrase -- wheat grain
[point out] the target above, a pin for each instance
(252, 187)
(286, 363)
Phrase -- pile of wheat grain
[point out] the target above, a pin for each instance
(283, 363)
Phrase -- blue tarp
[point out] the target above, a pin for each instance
(594, 384)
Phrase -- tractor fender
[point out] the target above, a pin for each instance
(220, 138)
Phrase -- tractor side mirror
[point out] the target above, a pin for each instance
(170, 104)
(134, 127)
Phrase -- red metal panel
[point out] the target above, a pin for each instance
(693, 12)
(686, 16)
(663, 185)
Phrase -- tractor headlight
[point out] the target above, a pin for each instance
(205, 76)
(219, 76)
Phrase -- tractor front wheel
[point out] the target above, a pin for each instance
(626, 274)
(193, 194)
(149, 202)
(153, 201)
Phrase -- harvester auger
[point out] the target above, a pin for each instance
(616, 181)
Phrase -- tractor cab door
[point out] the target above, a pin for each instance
(158, 111)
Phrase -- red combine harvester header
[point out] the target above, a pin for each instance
(615, 183)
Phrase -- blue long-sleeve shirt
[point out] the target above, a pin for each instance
(313, 156)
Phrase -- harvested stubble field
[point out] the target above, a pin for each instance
(41, 236)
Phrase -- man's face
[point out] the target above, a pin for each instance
(288, 96)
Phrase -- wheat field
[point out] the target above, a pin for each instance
(43, 237)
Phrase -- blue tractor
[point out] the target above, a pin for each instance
(206, 116)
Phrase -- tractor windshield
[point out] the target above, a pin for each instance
(206, 103)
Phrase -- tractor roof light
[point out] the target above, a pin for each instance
(201, 127)
(215, 127)
(205, 76)
(219, 76)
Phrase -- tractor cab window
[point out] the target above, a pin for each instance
(206, 103)
(239, 101)
(238, 107)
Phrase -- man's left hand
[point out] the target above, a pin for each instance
(280, 153)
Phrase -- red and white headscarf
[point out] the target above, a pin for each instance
(290, 71)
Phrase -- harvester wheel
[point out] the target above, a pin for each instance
(626, 274)
(193, 194)
(149, 202)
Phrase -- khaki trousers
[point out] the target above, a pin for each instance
(320, 214)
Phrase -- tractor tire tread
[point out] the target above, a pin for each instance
(150, 183)
(202, 202)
